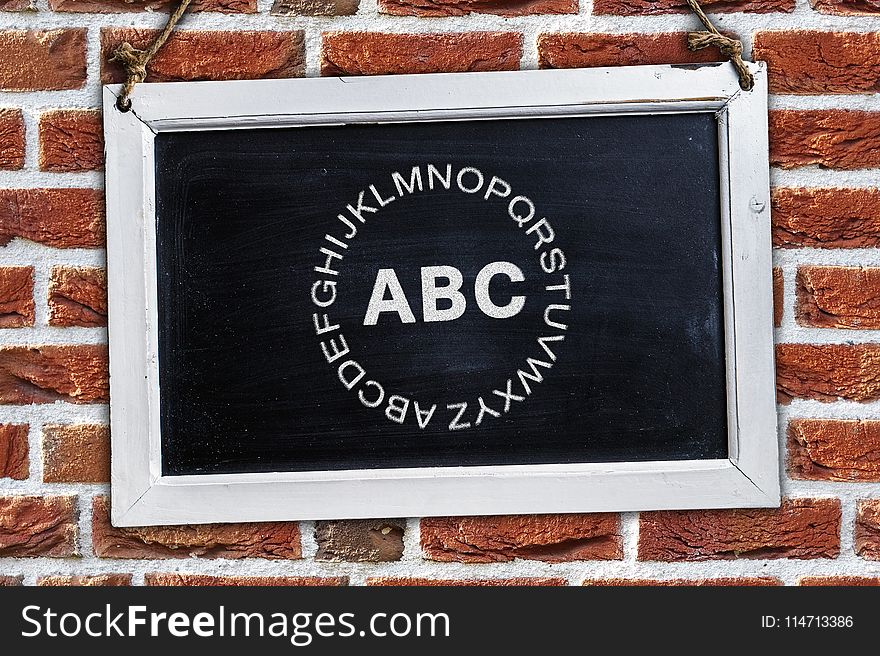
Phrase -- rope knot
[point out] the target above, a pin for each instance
(727, 46)
(730, 48)
(135, 61)
(131, 59)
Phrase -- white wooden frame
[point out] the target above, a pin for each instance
(748, 478)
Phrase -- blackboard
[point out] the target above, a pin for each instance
(429, 295)
(637, 373)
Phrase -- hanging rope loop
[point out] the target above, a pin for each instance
(134, 61)
(730, 48)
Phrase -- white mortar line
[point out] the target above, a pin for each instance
(788, 296)
(412, 548)
(629, 530)
(55, 413)
(21, 252)
(42, 273)
(42, 335)
(309, 543)
(84, 525)
(35, 474)
(31, 177)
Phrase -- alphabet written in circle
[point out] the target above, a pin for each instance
(443, 299)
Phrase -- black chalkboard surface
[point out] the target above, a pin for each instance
(440, 294)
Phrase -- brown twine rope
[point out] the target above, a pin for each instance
(730, 48)
(135, 61)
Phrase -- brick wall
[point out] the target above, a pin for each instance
(824, 58)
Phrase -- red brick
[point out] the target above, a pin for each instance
(654, 7)
(45, 374)
(748, 581)
(800, 528)
(778, 296)
(386, 581)
(11, 139)
(92, 580)
(71, 140)
(826, 218)
(839, 580)
(599, 49)
(374, 53)
(14, 460)
(838, 297)
(202, 580)
(197, 55)
(847, 7)
(42, 60)
(78, 453)
(63, 218)
(360, 540)
(38, 526)
(16, 297)
(803, 62)
(78, 297)
(834, 450)
(465, 7)
(829, 138)
(314, 7)
(867, 534)
(127, 6)
(10, 581)
(275, 541)
(827, 372)
(17, 5)
(551, 538)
